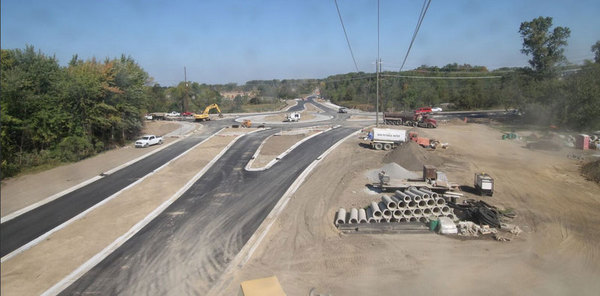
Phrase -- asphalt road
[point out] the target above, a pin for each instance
(186, 248)
(28, 226)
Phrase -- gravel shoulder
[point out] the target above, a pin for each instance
(19, 192)
(39, 268)
(557, 254)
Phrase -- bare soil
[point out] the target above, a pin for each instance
(40, 267)
(557, 254)
(21, 191)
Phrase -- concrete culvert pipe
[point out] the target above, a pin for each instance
(436, 210)
(417, 212)
(412, 205)
(445, 210)
(362, 216)
(423, 219)
(431, 193)
(393, 219)
(370, 217)
(403, 219)
(385, 212)
(353, 216)
(422, 204)
(401, 195)
(341, 217)
(413, 196)
(430, 202)
(427, 211)
(402, 205)
(451, 216)
(375, 208)
(412, 219)
(397, 214)
(440, 201)
(419, 192)
(389, 203)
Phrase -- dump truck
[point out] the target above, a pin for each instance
(409, 119)
(205, 115)
(484, 184)
(385, 138)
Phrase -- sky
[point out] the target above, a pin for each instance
(239, 40)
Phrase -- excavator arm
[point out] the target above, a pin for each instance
(205, 115)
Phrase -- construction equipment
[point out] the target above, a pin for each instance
(386, 139)
(484, 184)
(247, 123)
(205, 115)
(408, 119)
(292, 117)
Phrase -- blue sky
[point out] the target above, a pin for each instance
(239, 40)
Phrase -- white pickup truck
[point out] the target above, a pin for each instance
(148, 140)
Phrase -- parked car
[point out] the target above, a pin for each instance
(173, 114)
(148, 116)
(187, 114)
(343, 110)
(436, 109)
(148, 140)
(423, 110)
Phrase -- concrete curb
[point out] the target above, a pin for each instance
(282, 155)
(82, 214)
(88, 265)
(252, 244)
(46, 200)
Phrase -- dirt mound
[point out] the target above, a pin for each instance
(591, 170)
(393, 170)
(412, 157)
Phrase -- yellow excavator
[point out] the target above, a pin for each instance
(204, 115)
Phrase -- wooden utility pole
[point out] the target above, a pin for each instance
(185, 98)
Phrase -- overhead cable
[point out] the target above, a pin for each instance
(419, 22)
(346, 34)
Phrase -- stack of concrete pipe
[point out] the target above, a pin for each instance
(411, 205)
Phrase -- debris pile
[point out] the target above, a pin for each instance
(482, 218)
(411, 205)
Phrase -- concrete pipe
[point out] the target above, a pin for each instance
(423, 219)
(440, 201)
(413, 219)
(407, 212)
(445, 210)
(341, 217)
(403, 219)
(431, 193)
(422, 204)
(385, 212)
(375, 208)
(426, 211)
(417, 212)
(362, 216)
(385, 220)
(436, 211)
(413, 196)
(393, 220)
(397, 213)
(353, 216)
(395, 199)
(402, 205)
(403, 196)
(412, 205)
(451, 216)
(389, 203)
(370, 217)
(431, 202)
(419, 192)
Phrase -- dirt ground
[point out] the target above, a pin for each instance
(557, 254)
(40, 267)
(24, 190)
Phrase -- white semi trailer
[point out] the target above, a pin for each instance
(385, 138)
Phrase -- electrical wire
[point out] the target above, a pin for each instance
(443, 77)
(421, 17)
(346, 34)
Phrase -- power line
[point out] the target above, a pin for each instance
(443, 77)
(421, 17)
(346, 34)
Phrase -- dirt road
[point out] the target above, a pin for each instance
(558, 253)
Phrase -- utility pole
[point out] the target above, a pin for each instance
(185, 98)
(377, 96)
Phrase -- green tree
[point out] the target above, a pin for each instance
(596, 51)
(545, 46)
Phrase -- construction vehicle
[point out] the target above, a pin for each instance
(385, 138)
(247, 123)
(204, 115)
(292, 117)
(484, 184)
(408, 119)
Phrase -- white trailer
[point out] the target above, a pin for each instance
(385, 138)
(484, 184)
(293, 117)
